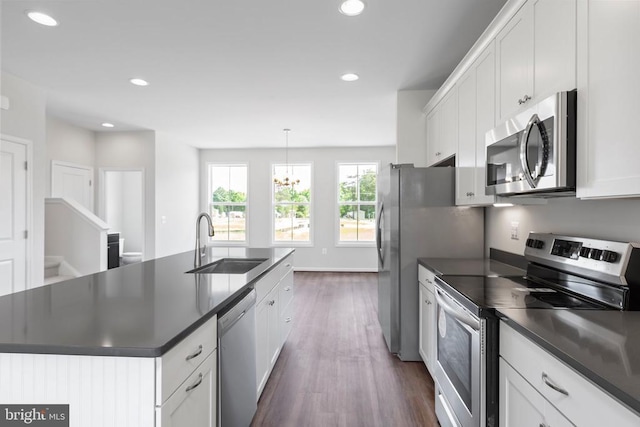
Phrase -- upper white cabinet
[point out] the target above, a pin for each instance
(536, 54)
(442, 129)
(608, 93)
(476, 107)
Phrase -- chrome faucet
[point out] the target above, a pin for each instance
(200, 252)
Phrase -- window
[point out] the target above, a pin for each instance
(292, 203)
(228, 202)
(357, 197)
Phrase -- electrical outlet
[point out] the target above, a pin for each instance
(324, 251)
(514, 230)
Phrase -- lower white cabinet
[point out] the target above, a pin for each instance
(537, 389)
(427, 316)
(175, 389)
(521, 405)
(274, 318)
(194, 402)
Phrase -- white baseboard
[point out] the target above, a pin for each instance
(337, 269)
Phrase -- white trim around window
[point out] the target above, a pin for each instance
(247, 210)
(293, 243)
(337, 204)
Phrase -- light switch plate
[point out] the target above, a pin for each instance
(514, 230)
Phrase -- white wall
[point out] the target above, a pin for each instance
(323, 204)
(606, 219)
(411, 144)
(68, 143)
(131, 150)
(177, 197)
(124, 208)
(26, 119)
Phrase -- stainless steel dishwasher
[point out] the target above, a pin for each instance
(237, 401)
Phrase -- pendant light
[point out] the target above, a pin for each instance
(286, 181)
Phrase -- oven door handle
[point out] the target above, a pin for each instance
(463, 318)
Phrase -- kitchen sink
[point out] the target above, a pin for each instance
(229, 266)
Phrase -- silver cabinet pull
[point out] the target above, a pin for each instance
(196, 354)
(196, 384)
(287, 320)
(548, 382)
(288, 265)
(287, 289)
(543, 425)
(272, 302)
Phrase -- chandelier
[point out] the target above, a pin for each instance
(286, 181)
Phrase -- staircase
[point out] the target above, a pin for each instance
(57, 270)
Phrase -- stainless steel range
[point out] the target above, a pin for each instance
(563, 273)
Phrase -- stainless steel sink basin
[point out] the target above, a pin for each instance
(230, 266)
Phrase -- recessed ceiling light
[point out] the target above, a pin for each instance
(139, 82)
(41, 18)
(352, 7)
(350, 77)
(107, 125)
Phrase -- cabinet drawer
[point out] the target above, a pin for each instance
(286, 291)
(194, 402)
(271, 279)
(286, 323)
(177, 364)
(584, 403)
(426, 277)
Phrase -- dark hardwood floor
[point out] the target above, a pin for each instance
(335, 369)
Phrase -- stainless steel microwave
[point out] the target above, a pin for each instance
(534, 152)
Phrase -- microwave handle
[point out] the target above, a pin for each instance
(524, 141)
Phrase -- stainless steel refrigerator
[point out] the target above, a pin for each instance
(417, 218)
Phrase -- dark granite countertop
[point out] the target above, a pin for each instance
(603, 345)
(139, 310)
(470, 267)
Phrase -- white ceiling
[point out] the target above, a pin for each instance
(231, 74)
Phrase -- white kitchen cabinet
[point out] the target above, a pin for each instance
(442, 129)
(476, 116)
(608, 93)
(427, 317)
(577, 400)
(274, 318)
(194, 402)
(286, 290)
(536, 54)
(521, 405)
(268, 337)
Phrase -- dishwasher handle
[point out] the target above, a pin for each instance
(235, 313)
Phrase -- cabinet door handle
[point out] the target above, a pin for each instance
(287, 289)
(548, 382)
(288, 265)
(196, 384)
(196, 354)
(272, 302)
(543, 425)
(287, 320)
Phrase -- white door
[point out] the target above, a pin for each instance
(72, 182)
(13, 217)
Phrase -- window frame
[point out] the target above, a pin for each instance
(293, 243)
(247, 209)
(337, 204)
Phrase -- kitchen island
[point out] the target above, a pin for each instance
(119, 345)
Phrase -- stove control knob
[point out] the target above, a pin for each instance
(530, 242)
(538, 244)
(595, 254)
(584, 252)
(609, 256)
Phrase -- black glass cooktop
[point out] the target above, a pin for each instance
(480, 293)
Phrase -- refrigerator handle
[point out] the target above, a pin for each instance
(379, 234)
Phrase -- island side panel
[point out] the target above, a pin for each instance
(101, 391)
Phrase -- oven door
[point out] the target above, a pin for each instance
(458, 367)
